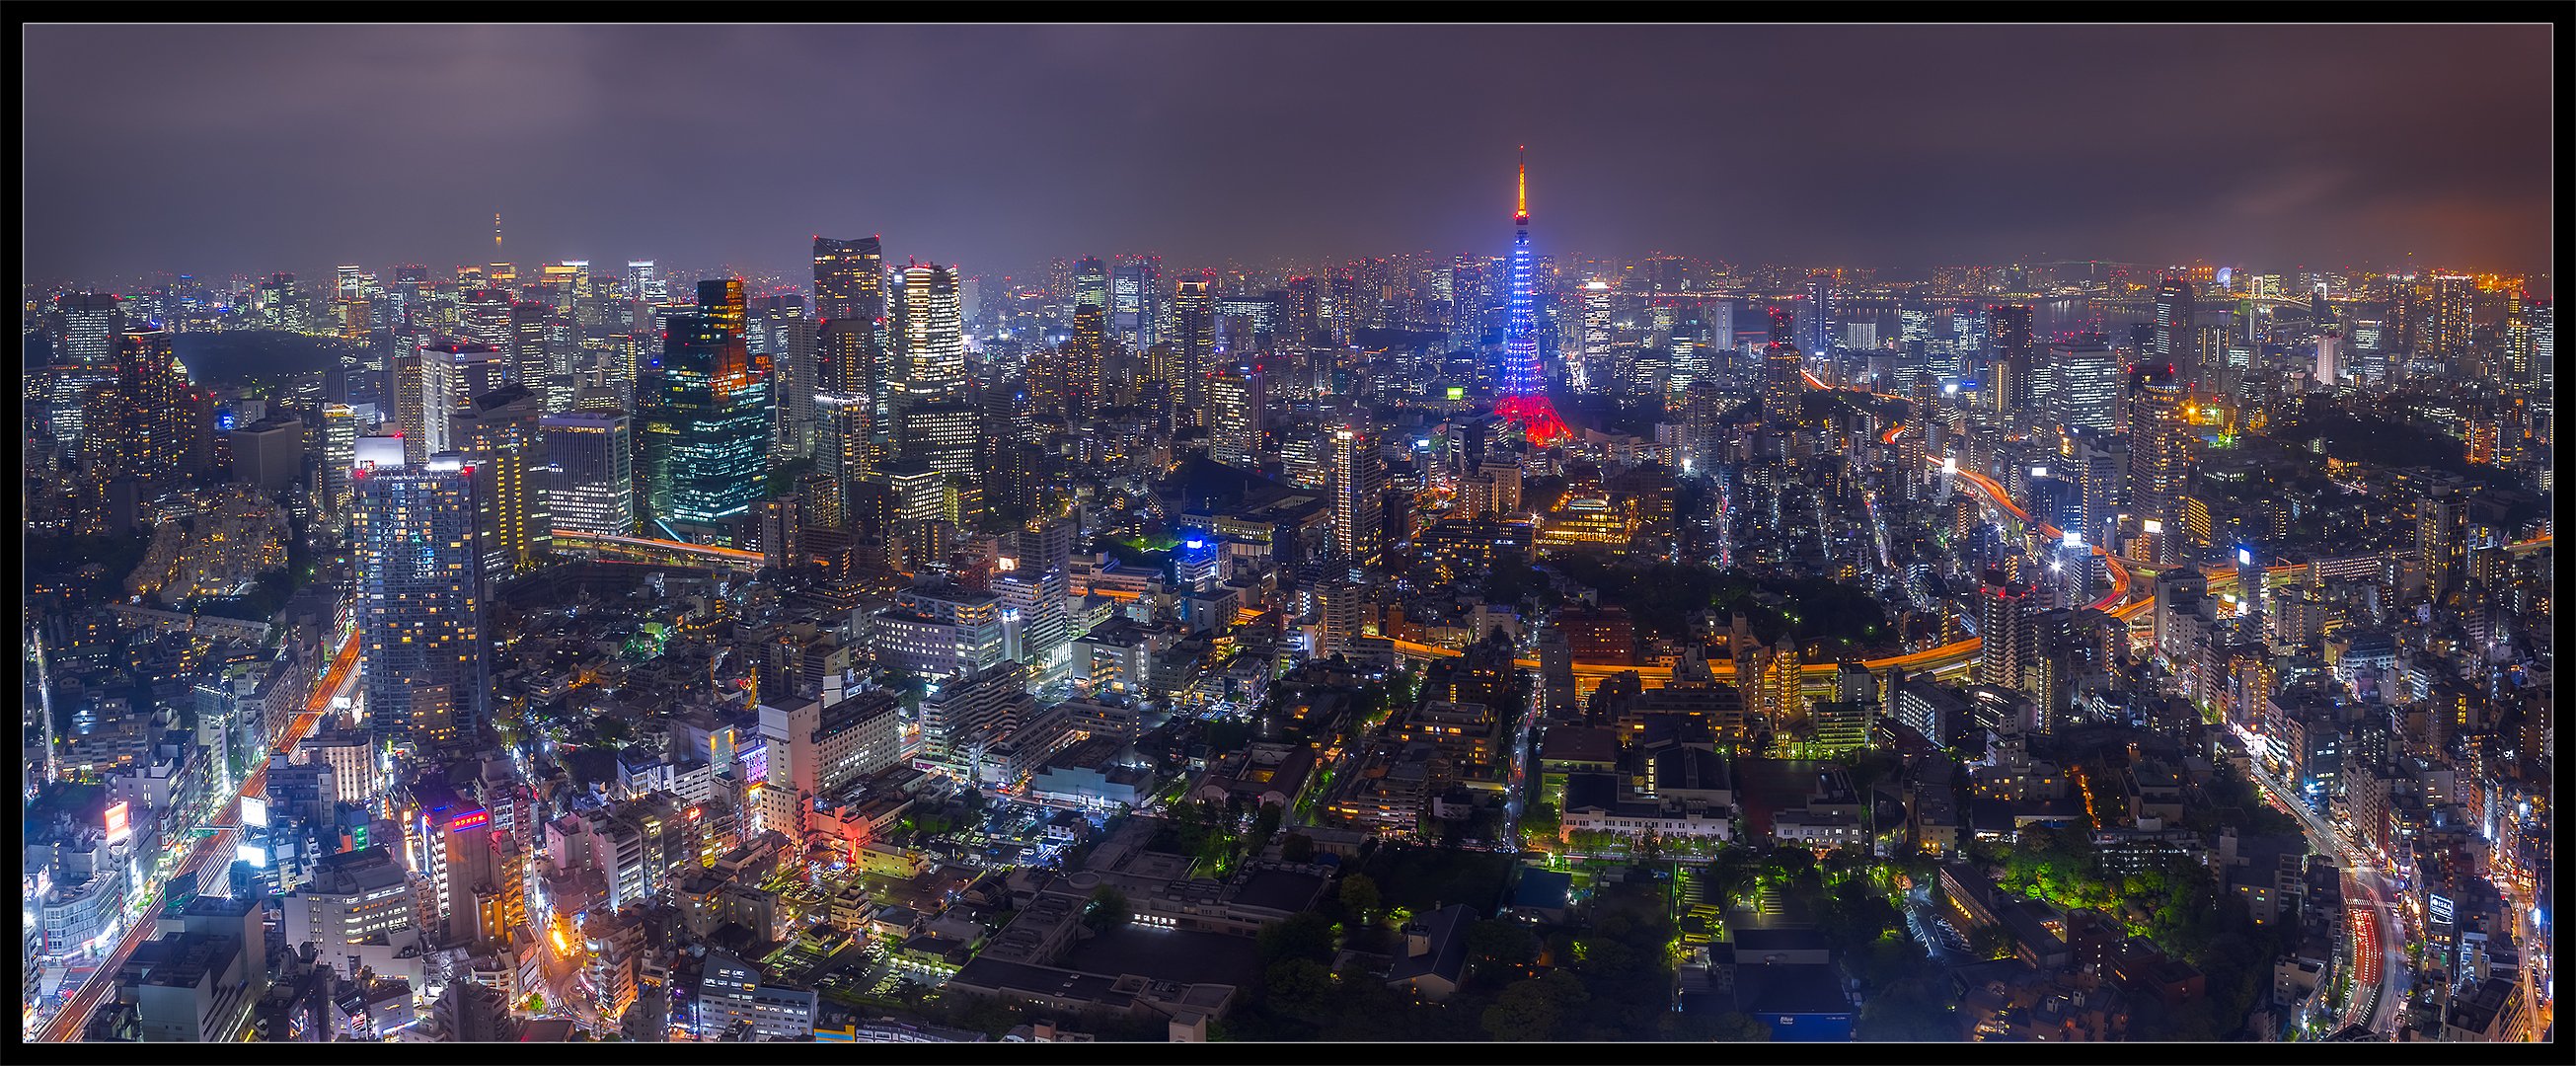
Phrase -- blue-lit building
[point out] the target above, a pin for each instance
(703, 419)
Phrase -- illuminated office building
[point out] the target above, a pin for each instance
(703, 421)
(849, 279)
(589, 471)
(934, 342)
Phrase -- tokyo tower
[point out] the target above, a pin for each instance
(1524, 400)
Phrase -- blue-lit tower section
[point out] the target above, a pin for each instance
(1524, 400)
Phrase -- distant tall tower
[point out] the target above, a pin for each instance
(1524, 386)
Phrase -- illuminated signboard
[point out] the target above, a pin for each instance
(1457, 392)
(469, 820)
(120, 821)
(255, 810)
(252, 854)
(2442, 908)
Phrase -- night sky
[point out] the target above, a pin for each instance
(215, 150)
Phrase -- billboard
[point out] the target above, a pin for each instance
(255, 811)
(120, 823)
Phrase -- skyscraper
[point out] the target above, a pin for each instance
(849, 278)
(589, 471)
(1359, 478)
(531, 359)
(2174, 341)
(2086, 382)
(2159, 444)
(150, 436)
(1524, 399)
(2449, 323)
(704, 418)
(1194, 321)
(795, 369)
(1136, 299)
(484, 315)
(1234, 404)
(339, 440)
(1090, 285)
(497, 433)
(419, 603)
(1825, 315)
(426, 392)
(643, 281)
(2006, 631)
(86, 327)
(721, 303)
(2008, 375)
(934, 347)
(1304, 312)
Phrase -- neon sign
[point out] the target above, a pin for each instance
(469, 820)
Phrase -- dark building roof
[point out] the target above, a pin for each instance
(1447, 957)
(1275, 889)
(1544, 889)
(1790, 988)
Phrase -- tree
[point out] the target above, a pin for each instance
(1360, 895)
(1502, 942)
(1305, 935)
(1266, 823)
(1301, 989)
(1105, 910)
(1298, 847)
(1532, 1010)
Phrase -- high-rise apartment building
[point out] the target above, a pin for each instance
(2159, 444)
(497, 433)
(2007, 631)
(420, 603)
(151, 435)
(1359, 479)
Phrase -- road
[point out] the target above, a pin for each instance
(2375, 957)
(217, 847)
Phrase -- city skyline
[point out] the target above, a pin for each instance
(1843, 535)
(2276, 155)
